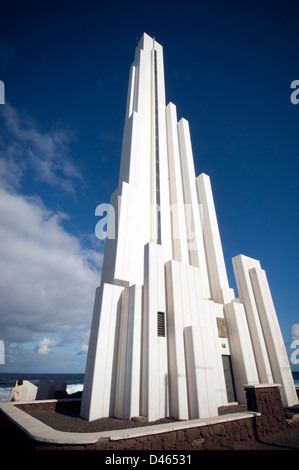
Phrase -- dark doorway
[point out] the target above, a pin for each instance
(229, 379)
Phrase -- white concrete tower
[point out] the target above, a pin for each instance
(168, 338)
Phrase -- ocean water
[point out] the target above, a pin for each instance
(74, 381)
(296, 378)
(7, 381)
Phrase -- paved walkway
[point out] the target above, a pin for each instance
(284, 440)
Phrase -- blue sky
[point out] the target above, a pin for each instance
(65, 65)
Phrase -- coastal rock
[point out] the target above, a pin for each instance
(46, 390)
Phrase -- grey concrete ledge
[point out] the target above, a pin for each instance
(39, 431)
(260, 385)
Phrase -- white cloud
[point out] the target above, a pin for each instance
(295, 331)
(43, 347)
(46, 153)
(48, 279)
(82, 348)
(11, 167)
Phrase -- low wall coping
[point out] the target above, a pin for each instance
(260, 385)
(39, 431)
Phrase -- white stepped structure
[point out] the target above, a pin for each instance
(168, 337)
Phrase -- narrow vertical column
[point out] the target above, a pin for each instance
(157, 153)
(208, 312)
(127, 396)
(179, 235)
(200, 375)
(220, 289)
(178, 307)
(273, 337)
(152, 175)
(242, 355)
(161, 157)
(242, 264)
(98, 390)
(154, 384)
(193, 221)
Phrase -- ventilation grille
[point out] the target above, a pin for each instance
(161, 324)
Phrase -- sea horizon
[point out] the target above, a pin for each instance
(74, 380)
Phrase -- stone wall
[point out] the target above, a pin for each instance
(267, 401)
(211, 437)
(263, 399)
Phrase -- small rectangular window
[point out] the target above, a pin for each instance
(161, 324)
